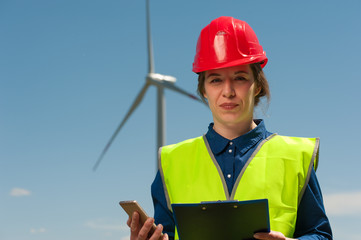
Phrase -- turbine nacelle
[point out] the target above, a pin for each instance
(161, 82)
(157, 77)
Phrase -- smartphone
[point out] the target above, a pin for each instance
(132, 206)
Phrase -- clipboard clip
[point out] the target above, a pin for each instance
(204, 207)
(220, 201)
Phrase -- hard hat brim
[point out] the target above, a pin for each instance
(244, 61)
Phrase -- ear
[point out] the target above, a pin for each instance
(205, 95)
(257, 91)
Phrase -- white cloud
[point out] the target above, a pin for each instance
(37, 231)
(102, 224)
(346, 203)
(19, 192)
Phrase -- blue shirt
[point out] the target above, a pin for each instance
(231, 155)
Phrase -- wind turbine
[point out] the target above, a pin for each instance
(161, 82)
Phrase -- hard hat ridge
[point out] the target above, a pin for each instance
(227, 42)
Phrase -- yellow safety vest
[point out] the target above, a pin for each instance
(279, 170)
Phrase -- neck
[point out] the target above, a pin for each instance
(233, 131)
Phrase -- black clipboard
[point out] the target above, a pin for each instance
(231, 220)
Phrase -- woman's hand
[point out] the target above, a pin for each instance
(138, 232)
(271, 236)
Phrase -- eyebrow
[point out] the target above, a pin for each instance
(213, 75)
(241, 72)
(217, 75)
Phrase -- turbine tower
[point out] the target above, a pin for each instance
(161, 82)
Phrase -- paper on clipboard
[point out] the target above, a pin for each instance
(221, 220)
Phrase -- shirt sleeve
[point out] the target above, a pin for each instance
(162, 214)
(312, 222)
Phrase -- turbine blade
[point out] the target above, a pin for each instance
(173, 87)
(130, 111)
(149, 42)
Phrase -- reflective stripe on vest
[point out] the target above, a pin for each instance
(279, 170)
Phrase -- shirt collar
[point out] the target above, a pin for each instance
(243, 143)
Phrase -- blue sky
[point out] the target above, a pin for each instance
(69, 71)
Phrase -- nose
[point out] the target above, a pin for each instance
(228, 89)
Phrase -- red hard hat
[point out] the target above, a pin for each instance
(227, 42)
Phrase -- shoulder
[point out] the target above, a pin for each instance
(177, 156)
(189, 143)
(294, 142)
(306, 148)
(181, 152)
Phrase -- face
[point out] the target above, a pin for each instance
(230, 93)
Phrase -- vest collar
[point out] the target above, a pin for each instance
(243, 143)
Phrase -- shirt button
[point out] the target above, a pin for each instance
(230, 143)
(230, 150)
(229, 175)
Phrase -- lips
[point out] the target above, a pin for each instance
(228, 106)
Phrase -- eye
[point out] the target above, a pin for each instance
(240, 78)
(215, 80)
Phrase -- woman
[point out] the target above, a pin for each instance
(238, 158)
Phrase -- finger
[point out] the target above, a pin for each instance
(165, 237)
(129, 221)
(144, 231)
(273, 235)
(262, 236)
(134, 224)
(157, 233)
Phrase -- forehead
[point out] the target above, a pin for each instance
(229, 70)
